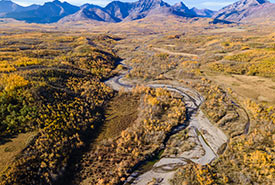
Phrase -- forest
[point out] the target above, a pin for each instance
(51, 85)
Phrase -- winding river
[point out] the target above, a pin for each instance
(164, 169)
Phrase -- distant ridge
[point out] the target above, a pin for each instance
(48, 13)
(203, 12)
(90, 12)
(7, 6)
(143, 8)
(117, 11)
(247, 11)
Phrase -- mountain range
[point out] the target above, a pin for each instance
(48, 13)
(7, 6)
(117, 11)
(247, 10)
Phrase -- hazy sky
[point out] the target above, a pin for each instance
(210, 4)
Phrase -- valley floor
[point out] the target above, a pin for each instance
(192, 103)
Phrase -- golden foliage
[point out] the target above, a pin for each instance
(62, 97)
(137, 142)
(12, 81)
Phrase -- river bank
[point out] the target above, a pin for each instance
(208, 138)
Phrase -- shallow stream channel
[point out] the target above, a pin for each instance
(206, 138)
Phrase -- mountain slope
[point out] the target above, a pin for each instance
(7, 6)
(118, 9)
(143, 8)
(181, 7)
(48, 13)
(115, 11)
(260, 14)
(203, 12)
(90, 12)
(244, 10)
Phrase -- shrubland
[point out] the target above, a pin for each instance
(247, 160)
(254, 62)
(112, 160)
(222, 109)
(52, 83)
(56, 89)
(249, 124)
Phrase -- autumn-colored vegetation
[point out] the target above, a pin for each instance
(52, 83)
(155, 65)
(250, 53)
(18, 112)
(247, 160)
(247, 55)
(57, 89)
(112, 160)
(240, 51)
(259, 62)
(222, 109)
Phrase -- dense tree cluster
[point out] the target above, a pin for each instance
(56, 89)
(111, 161)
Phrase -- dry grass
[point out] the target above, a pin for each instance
(257, 88)
(121, 113)
(175, 53)
(228, 30)
(9, 150)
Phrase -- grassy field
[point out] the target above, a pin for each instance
(12, 148)
(257, 88)
(121, 112)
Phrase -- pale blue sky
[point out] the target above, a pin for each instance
(210, 4)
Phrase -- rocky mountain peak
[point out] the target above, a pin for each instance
(242, 9)
(244, 4)
(151, 3)
(181, 5)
